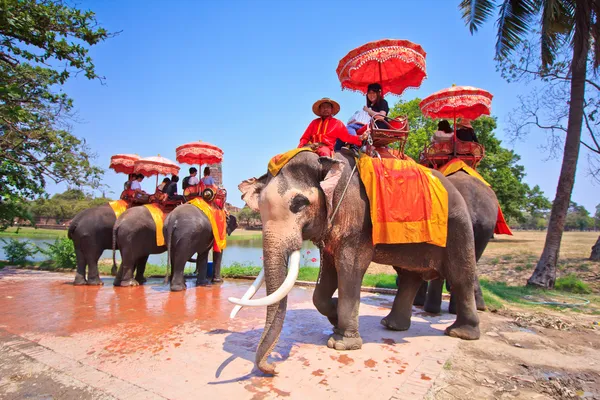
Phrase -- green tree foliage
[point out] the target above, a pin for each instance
(500, 166)
(42, 44)
(597, 217)
(247, 216)
(578, 218)
(64, 206)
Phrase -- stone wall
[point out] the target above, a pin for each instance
(216, 172)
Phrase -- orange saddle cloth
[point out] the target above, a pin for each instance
(456, 165)
(217, 218)
(408, 203)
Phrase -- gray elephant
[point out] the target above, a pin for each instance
(91, 233)
(188, 231)
(134, 234)
(296, 205)
(483, 208)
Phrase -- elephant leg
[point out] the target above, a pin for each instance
(351, 265)
(399, 318)
(433, 302)
(421, 296)
(179, 257)
(462, 300)
(479, 302)
(217, 258)
(327, 284)
(202, 267)
(140, 268)
(81, 264)
(93, 273)
(125, 273)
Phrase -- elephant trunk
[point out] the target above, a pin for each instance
(275, 267)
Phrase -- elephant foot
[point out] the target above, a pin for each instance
(395, 323)
(178, 287)
(463, 331)
(113, 270)
(217, 280)
(79, 280)
(125, 283)
(96, 281)
(141, 280)
(433, 308)
(480, 304)
(339, 342)
(202, 282)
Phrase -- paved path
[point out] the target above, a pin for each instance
(67, 342)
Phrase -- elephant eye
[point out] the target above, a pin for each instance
(298, 203)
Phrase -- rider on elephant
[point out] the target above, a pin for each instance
(323, 131)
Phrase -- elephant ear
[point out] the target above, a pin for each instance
(331, 174)
(251, 189)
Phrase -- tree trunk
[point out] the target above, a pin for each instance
(545, 271)
(595, 256)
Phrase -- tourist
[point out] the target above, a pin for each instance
(171, 190)
(130, 178)
(322, 132)
(444, 132)
(465, 131)
(191, 180)
(162, 187)
(377, 107)
(207, 179)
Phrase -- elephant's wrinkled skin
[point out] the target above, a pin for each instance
(294, 207)
(134, 234)
(483, 209)
(91, 233)
(187, 231)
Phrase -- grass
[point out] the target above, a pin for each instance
(32, 232)
(570, 283)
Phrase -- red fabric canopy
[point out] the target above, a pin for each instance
(394, 63)
(457, 102)
(123, 163)
(151, 166)
(199, 153)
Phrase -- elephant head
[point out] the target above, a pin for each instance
(294, 206)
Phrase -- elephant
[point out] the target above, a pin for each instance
(187, 231)
(134, 234)
(483, 208)
(91, 233)
(298, 204)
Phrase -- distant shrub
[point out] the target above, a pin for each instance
(571, 283)
(61, 252)
(17, 251)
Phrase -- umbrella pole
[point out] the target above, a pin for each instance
(454, 126)
(380, 76)
(156, 180)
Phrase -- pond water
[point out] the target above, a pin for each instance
(245, 252)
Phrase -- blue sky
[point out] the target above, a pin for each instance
(243, 76)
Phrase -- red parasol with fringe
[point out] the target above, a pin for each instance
(457, 102)
(150, 166)
(198, 153)
(396, 64)
(123, 163)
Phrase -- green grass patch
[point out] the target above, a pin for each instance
(519, 268)
(387, 281)
(495, 261)
(571, 283)
(29, 232)
(507, 257)
(583, 268)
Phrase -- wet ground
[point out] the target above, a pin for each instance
(62, 341)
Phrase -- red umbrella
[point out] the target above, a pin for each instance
(123, 163)
(151, 166)
(394, 63)
(198, 153)
(457, 102)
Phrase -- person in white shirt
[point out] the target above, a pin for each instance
(136, 185)
(207, 179)
(444, 132)
(193, 180)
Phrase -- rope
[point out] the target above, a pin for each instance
(337, 207)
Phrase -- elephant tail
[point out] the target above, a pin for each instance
(170, 230)
(114, 249)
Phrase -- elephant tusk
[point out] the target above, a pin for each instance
(250, 292)
(281, 292)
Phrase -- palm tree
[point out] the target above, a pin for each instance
(559, 22)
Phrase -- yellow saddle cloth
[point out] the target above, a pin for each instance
(408, 203)
(279, 161)
(118, 206)
(217, 219)
(158, 216)
(456, 165)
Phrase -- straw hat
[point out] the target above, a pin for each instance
(336, 106)
(465, 122)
